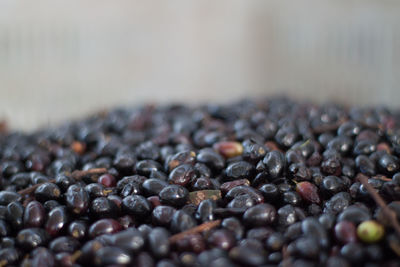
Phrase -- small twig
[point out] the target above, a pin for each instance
(79, 174)
(382, 178)
(75, 174)
(198, 229)
(32, 188)
(285, 257)
(75, 256)
(390, 214)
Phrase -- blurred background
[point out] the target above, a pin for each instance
(66, 59)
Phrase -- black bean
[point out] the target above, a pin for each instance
(260, 214)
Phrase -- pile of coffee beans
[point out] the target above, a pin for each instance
(267, 182)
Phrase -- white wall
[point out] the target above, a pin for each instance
(62, 59)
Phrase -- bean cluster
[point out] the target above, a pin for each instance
(252, 183)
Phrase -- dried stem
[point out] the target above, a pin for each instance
(75, 174)
(75, 256)
(198, 229)
(390, 214)
(32, 188)
(327, 128)
(79, 174)
(285, 257)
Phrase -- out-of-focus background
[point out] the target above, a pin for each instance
(65, 59)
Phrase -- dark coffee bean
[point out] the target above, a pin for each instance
(275, 164)
(167, 263)
(174, 195)
(243, 190)
(260, 215)
(63, 181)
(259, 233)
(34, 215)
(145, 229)
(77, 199)
(21, 180)
(126, 221)
(349, 128)
(222, 238)
(182, 175)
(353, 252)
(57, 220)
(299, 172)
(331, 166)
(202, 183)
(64, 244)
(162, 215)
(248, 256)
(205, 210)
(364, 147)
(135, 179)
(331, 185)
(153, 186)
(104, 226)
(10, 255)
(181, 221)
(354, 214)
(291, 197)
(31, 238)
(287, 136)
(365, 165)
(342, 144)
(4, 229)
(327, 220)
(136, 205)
(78, 229)
(345, 232)
(124, 162)
(275, 241)
(102, 207)
(252, 151)
(388, 164)
(241, 202)
(95, 190)
(305, 247)
(293, 156)
(240, 170)
(148, 150)
(7, 197)
(311, 227)
(374, 252)
(227, 186)
(193, 242)
(210, 158)
(270, 192)
(131, 240)
(42, 257)
(337, 203)
(234, 226)
(145, 167)
(14, 215)
(184, 157)
(47, 191)
(158, 242)
(111, 256)
(287, 215)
